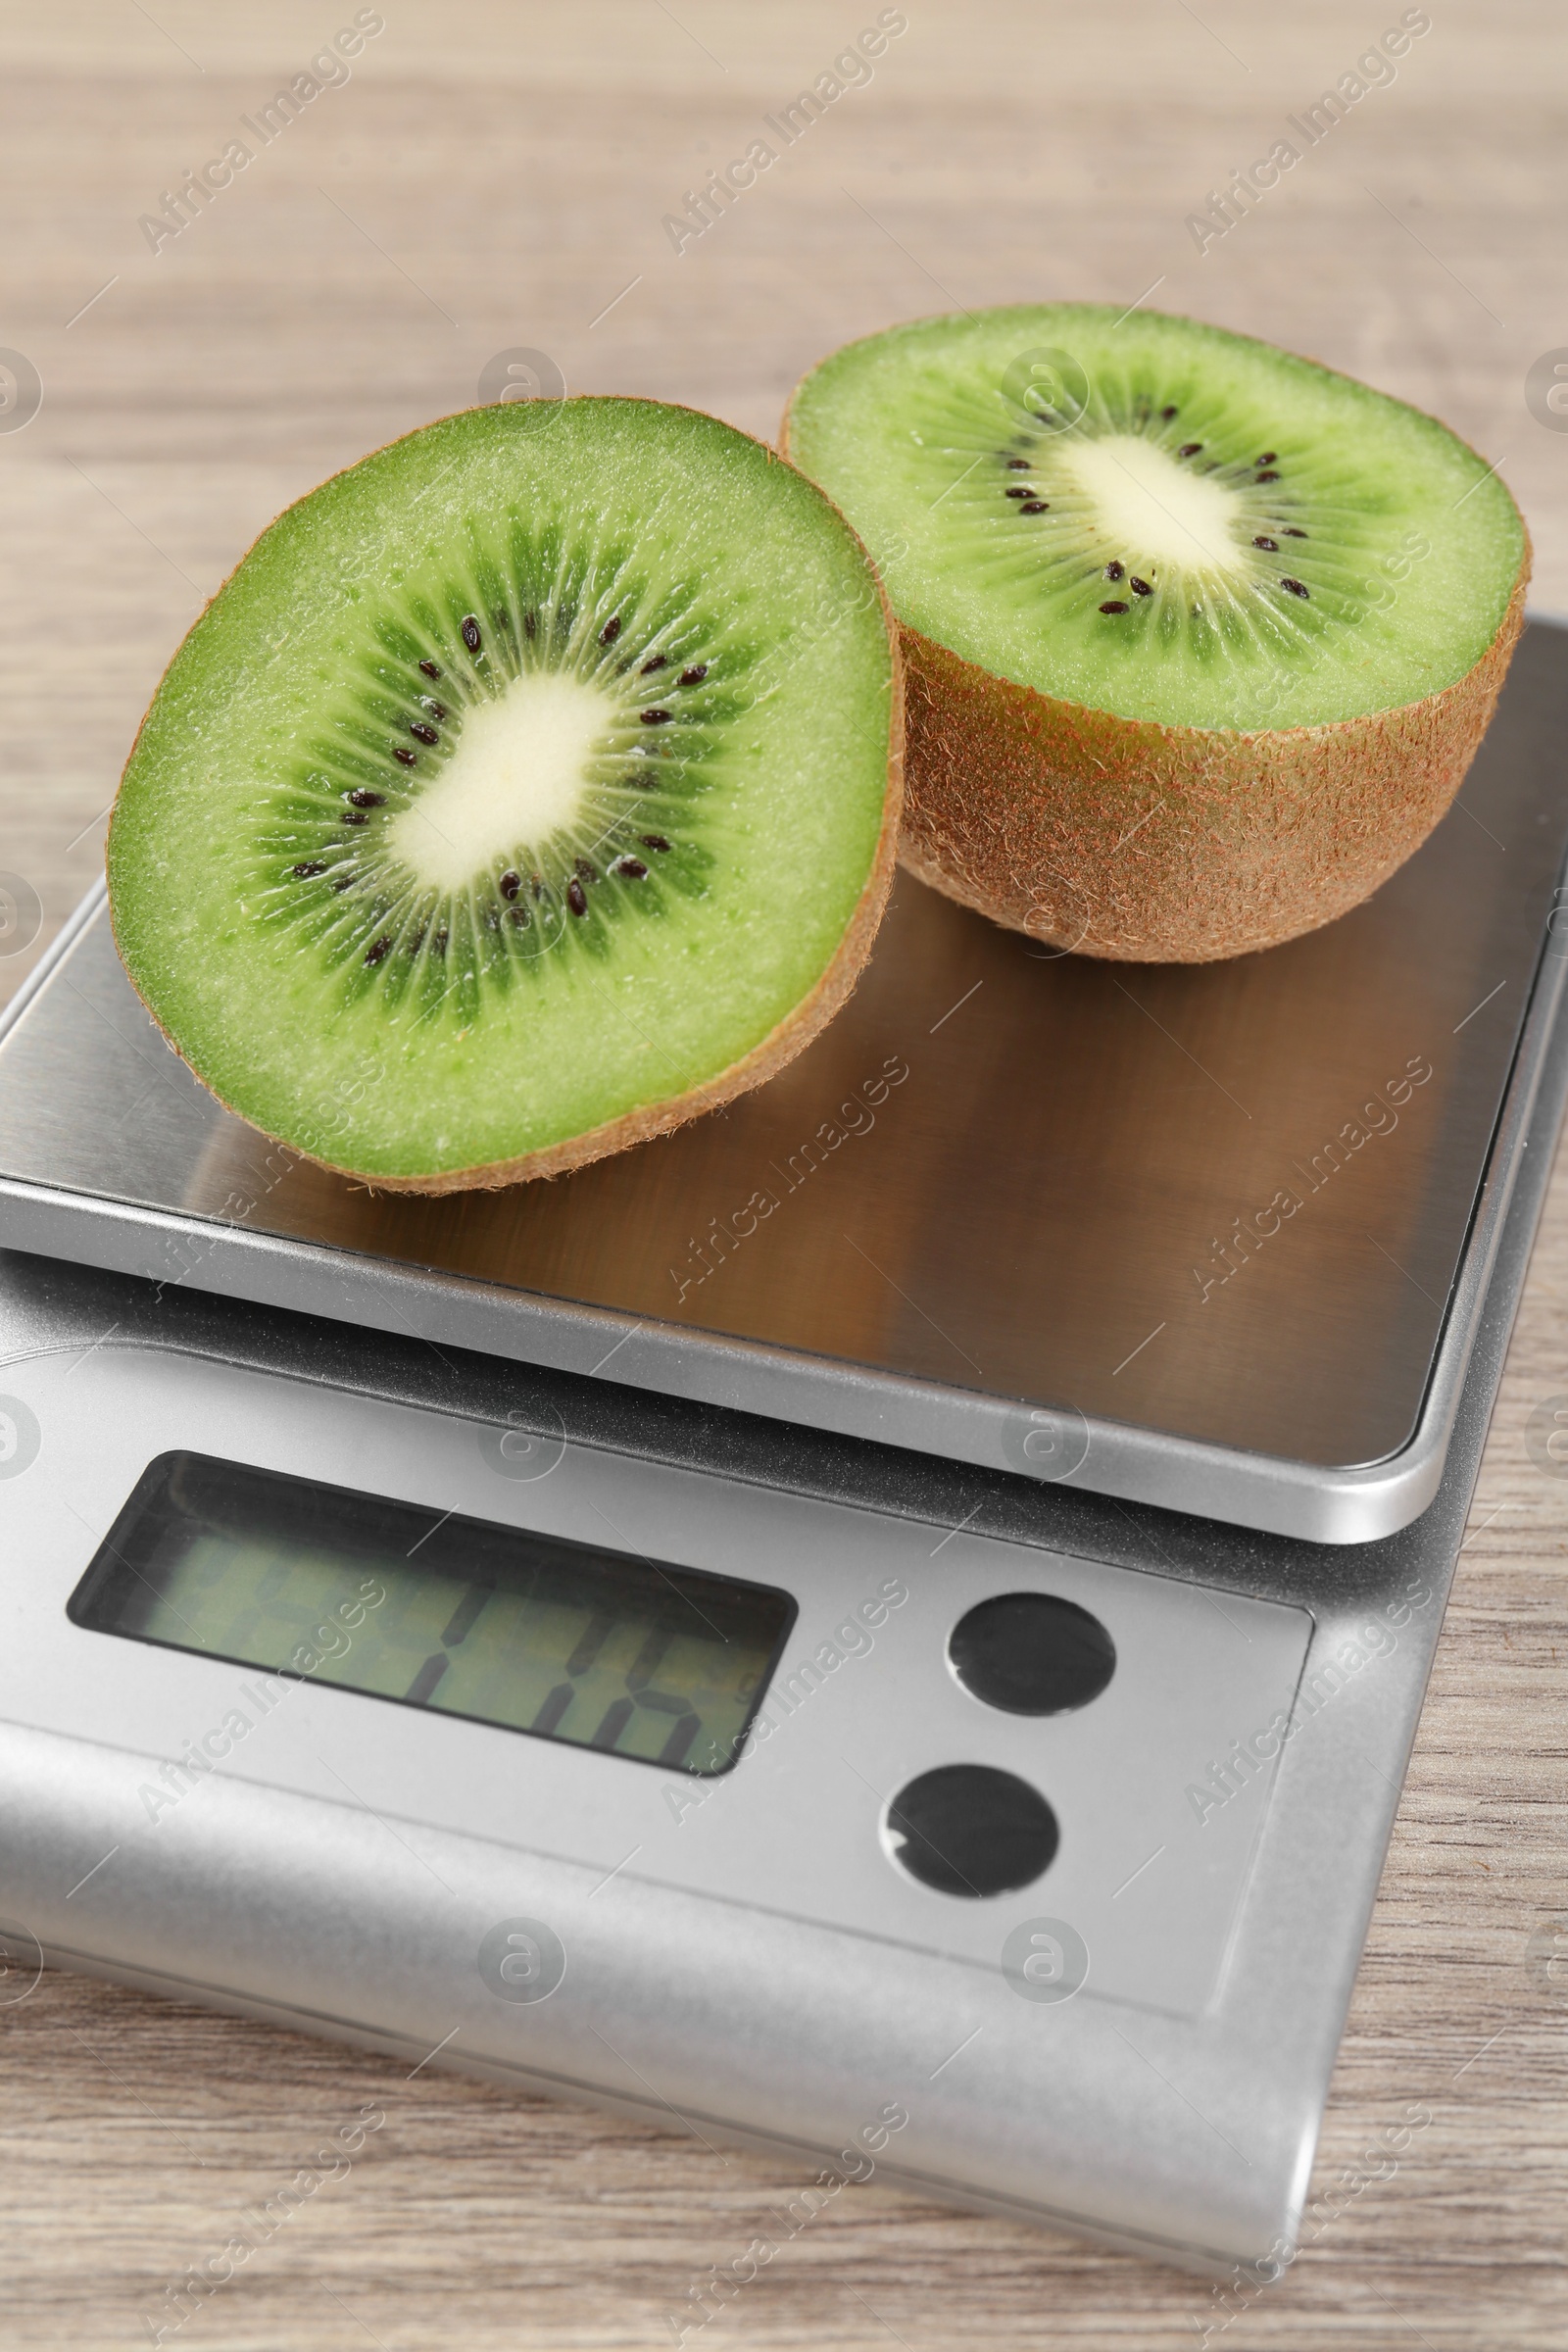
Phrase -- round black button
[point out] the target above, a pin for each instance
(1032, 1653)
(967, 1828)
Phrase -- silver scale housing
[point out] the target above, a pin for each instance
(754, 1967)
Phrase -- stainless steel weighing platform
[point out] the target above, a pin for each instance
(1179, 1295)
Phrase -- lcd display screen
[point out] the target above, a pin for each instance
(539, 1634)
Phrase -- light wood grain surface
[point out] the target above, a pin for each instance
(494, 176)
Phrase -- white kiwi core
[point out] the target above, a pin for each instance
(1160, 513)
(518, 772)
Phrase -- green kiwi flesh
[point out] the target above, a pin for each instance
(1129, 518)
(529, 787)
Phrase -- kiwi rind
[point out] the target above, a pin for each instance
(1132, 841)
(1021, 807)
(645, 1121)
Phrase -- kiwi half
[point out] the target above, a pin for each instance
(529, 787)
(1200, 638)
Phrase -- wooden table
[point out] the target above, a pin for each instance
(495, 177)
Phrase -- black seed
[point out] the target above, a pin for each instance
(471, 632)
(653, 841)
(351, 816)
(1019, 465)
(312, 865)
(1113, 569)
(1114, 607)
(1167, 414)
(530, 624)
(1139, 587)
(521, 917)
(436, 709)
(431, 669)
(363, 798)
(633, 867)
(537, 886)
(1289, 531)
(344, 882)
(1034, 506)
(1268, 475)
(378, 948)
(658, 662)
(511, 883)
(1014, 493)
(653, 718)
(695, 675)
(610, 630)
(409, 758)
(1188, 449)
(423, 733)
(438, 941)
(1270, 545)
(1268, 457)
(576, 897)
(586, 871)
(1295, 587)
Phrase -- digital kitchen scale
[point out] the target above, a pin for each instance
(888, 1624)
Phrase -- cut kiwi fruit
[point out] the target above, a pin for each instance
(529, 788)
(1200, 638)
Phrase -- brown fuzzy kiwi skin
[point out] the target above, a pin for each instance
(782, 1043)
(1143, 844)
